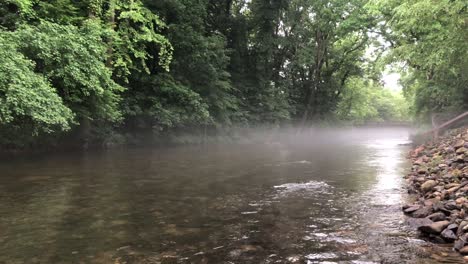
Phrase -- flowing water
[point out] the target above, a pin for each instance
(322, 197)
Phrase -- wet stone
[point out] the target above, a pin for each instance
(464, 250)
(422, 212)
(435, 227)
(448, 235)
(439, 216)
(412, 209)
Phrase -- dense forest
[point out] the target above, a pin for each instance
(95, 71)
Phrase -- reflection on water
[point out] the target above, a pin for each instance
(321, 198)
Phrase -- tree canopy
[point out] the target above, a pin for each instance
(87, 69)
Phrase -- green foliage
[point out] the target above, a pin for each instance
(200, 58)
(430, 38)
(73, 60)
(364, 101)
(26, 96)
(136, 27)
(112, 66)
(161, 103)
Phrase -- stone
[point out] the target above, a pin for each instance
(452, 227)
(464, 250)
(428, 185)
(422, 212)
(451, 205)
(435, 227)
(460, 143)
(461, 150)
(416, 223)
(422, 170)
(460, 200)
(420, 179)
(460, 242)
(450, 185)
(461, 226)
(453, 189)
(411, 209)
(439, 216)
(448, 235)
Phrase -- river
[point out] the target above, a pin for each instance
(321, 197)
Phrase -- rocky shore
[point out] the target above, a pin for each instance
(439, 180)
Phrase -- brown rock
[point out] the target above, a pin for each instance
(451, 185)
(422, 212)
(439, 216)
(420, 179)
(460, 143)
(411, 209)
(434, 228)
(453, 189)
(422, 170)
(461, 150)
(428, 185)
(464, 250)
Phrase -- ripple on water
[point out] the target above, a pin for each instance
(304, 186)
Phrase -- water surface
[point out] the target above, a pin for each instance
(322, 197)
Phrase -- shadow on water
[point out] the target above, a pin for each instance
(322, 197)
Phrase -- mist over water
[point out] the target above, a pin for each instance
(318, 196)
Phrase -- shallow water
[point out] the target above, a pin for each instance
(322, 197)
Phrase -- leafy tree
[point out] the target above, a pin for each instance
(29, 105)
(363, 100)
(429, 37)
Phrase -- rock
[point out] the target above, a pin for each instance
(450, 185)
(435, 227)
(460, 242)
(461, 226)
(464, 250)
(452, 227)
(416, 223)
(439, 216)
(460, 143)
(460, 200)
(422, 212)
(422, 170)
(452, 190)
(448, 235)
(451, 206)
(461, 150)
(411, 209)
(428, 185)
(421, 179)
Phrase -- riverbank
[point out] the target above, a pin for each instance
(439, 181)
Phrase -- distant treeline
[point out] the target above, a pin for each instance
(98, 71)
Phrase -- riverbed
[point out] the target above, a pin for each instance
(331, 196)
